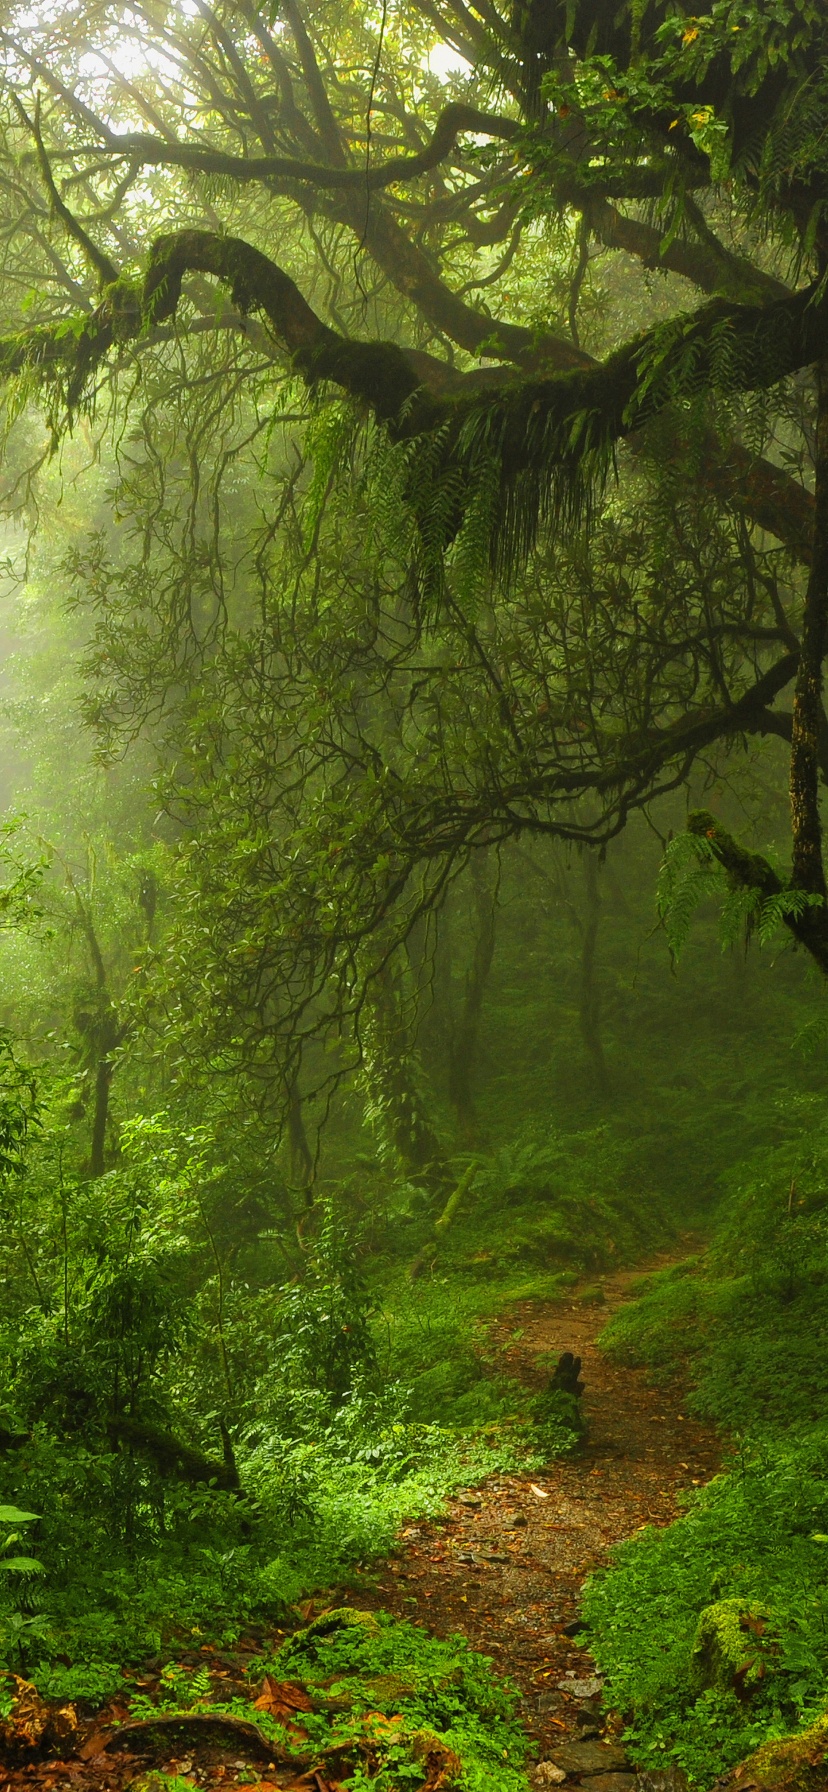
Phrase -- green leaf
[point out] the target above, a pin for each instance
(13, 1515)
(21, 1565)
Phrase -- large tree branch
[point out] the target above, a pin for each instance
(751, 871)
(452, 122)
(707, 264)
(548, 436)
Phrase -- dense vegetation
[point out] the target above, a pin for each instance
(750, 1317)
(415, 495)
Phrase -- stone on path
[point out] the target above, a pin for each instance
(589, 1757)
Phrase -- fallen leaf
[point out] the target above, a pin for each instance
(281, 1699)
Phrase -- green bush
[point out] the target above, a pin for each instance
(757, 1536)
(748, 1321)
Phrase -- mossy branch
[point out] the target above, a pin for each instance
(104, 268)
(174, 1457)
(443, 1221)
(541, 446)
(752, 871)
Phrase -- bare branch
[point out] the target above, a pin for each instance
(453, 121)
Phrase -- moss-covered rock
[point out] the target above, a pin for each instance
(443, 1768)
(731, 1646)
(793, 1764)
(391, 1689)
(304, 1643)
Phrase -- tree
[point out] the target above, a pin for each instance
(690, 144)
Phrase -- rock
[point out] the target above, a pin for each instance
(547, 1774)
(612, 1782)
(581, 1689)
(468, 1499)
(515, 1521)
(731, 1644)
(673, 1779)
(793, 1764)
(589, 1757)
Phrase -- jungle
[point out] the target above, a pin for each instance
(413, 899)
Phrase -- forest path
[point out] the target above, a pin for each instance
(507, 1565)
(504, 1567)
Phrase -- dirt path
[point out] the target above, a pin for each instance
(507, 1566)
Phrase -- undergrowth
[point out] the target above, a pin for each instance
(748, 1321)
(201, 1452)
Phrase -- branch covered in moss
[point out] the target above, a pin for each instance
(174, 1457)
(539, 447)
(752, 871)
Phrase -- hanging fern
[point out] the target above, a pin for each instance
(789, 905)
(691, 871)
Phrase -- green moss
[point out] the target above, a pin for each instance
(729, 1646)
(793, 1764)
(363, 1628)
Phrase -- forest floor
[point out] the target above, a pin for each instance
(504, 1567)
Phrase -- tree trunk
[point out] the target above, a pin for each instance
(301, 1156)
(464, 1032)
(589, 1000)
(808, 716)
(100, 1116)
(393, 1075)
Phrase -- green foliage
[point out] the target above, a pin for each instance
(748, 1320)
(423, 1685)
(21, 1623)
(751, 1539)
(559, 1422)
(690, 873)
(324, 1330)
